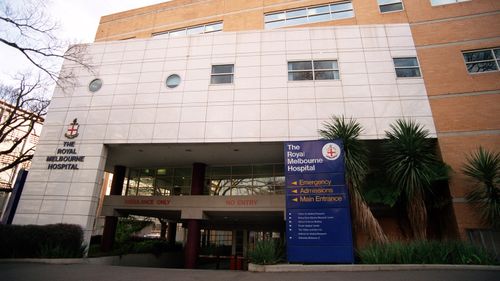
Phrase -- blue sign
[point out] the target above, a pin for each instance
(317, 203)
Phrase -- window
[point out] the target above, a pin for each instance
(193, 30)
(173, 81)
(161, 181)
(444, 2)
(95, 85)
(309, 15)
(222, 74)
(386, 6)
(313, 70)
(482, 60)
(241, 180)
(406, 67)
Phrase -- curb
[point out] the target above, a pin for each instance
(285, 267)
(108, 260)
(48, 261)
(368, 267)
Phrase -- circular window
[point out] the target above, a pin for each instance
(173, 81)
(95, 85)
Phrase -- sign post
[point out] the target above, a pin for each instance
(318, 227)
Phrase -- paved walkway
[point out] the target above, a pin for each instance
(90, 272)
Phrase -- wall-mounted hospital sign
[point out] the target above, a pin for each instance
(318, 221)
(66, 157)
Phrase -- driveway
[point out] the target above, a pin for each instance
(90, 272)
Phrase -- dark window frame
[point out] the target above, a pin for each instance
(495, 58)
(447, 3)
(215, 74)
(407, 67)
(313, 70)
(390, 3)
(186, 30)
(336, 11)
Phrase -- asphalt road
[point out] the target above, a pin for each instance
(88, 272)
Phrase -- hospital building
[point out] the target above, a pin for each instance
(188, 105)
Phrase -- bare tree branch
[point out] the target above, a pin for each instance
(26, 156)
(29, 31)
(21, 109)
(26, 28)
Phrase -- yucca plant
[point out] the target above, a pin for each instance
(483, 167)
(410, 162)
(267, 252)
(356, 165)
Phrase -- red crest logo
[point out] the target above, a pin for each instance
(72, 130)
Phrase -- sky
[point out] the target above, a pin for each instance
(79, 18)
(78, 21)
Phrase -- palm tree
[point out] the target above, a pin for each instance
(410, 163)
(484, 168)
(356, 165)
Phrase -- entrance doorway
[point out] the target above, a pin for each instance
(229, 249)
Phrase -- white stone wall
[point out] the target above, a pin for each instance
(135, 106)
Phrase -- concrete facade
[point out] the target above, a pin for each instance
(134, 107)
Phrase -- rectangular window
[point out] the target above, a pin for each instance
(177, 33)
(245, 180)
(386, 6)
(215, 27)
(222, 74)
(482, 60)
(313, 70)
(311, 14)
(406, 67)
(192, 30)
(444, 2)
(342, 10)
(159, 182)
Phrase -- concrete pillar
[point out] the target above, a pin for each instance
(204, 239)
(234, 241)
(171, 232)
(192, 248)
(245, 242)
(198, 179)
(108, 234)
(110, 223)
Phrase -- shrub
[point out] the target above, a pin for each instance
(483, 168)
(136, 245)
(155, 247)
(216, 250)
(41, 241)
(425, 252)
(267, 252)
(127, 227)
(58, 251)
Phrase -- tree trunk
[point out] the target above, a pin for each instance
(364, 219)
(417, 214)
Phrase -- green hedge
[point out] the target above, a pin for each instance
(149, 246)
(41, 241)
(136, 246)
(425, 252)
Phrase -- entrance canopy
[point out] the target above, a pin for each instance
(216, 212)
(255, 210)
(185, 154)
